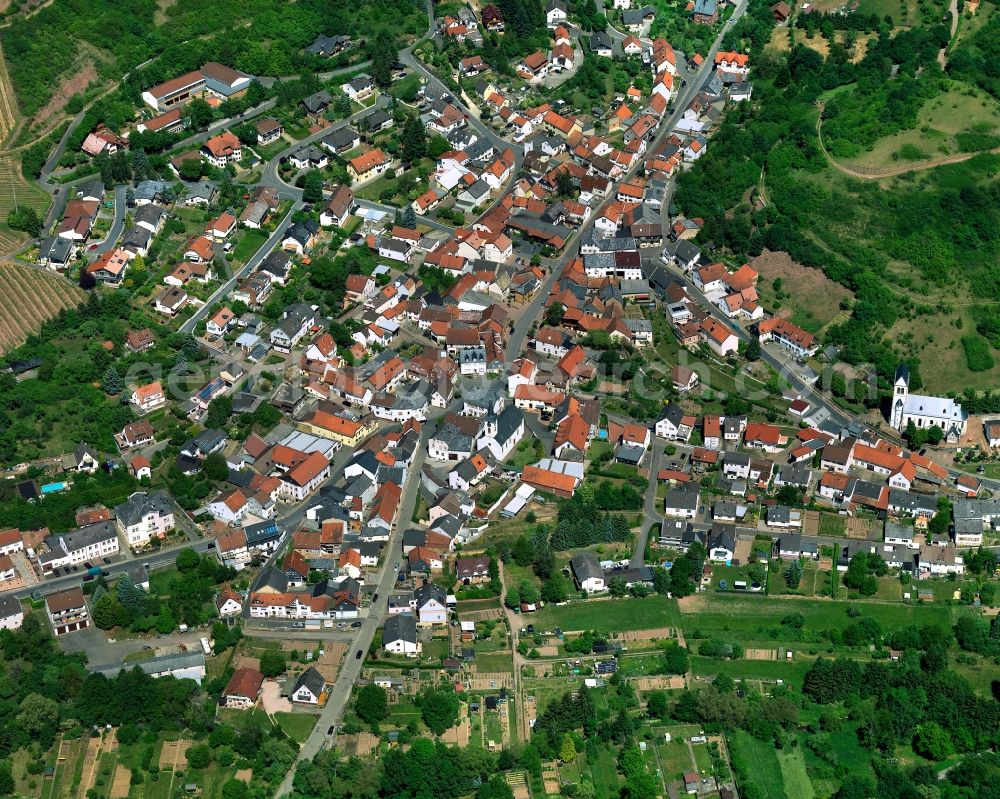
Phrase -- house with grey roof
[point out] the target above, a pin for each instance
(309, 688)
(399, 636)
(722, 542)
(587, 572)
(143, 517)
(502, 432)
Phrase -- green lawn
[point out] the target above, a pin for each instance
(495, 661)
(674, 758)
(296, 726)
(701, 757)
(159, 581)
(760, 762)
(730, 574)
(252, 241)
(524, 454)
(609, 615)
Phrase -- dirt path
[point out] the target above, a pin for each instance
(95, 748)
(520, 703)
(953, 10)
(879, 174)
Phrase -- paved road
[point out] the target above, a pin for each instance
(271, 176)
(250, 265)
(651, 511)
(333, 711)
(555, 266)
(117, 227)
(162, 557)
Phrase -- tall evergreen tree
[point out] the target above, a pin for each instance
(383, 52)
(414, 139)
(112, 383)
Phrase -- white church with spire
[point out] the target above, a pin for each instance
(924, 411)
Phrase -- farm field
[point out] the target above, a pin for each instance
(28, 297)
(640, 614)
(956, 111)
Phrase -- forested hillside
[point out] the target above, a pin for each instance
(907, 247)
(262, 37)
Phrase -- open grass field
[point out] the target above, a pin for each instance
(905, 13)
(767, 670)
(814, 299)
(495, 661)
(781, 42)
(761, 762)
(961, 109)
(793, 773)
(980, 672)
(936, 341)
(604, 774)
(674, 758)
(970, 24)
(747, 616)
(630, 614)
(27, 298)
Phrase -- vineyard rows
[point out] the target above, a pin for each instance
(27, 298)
(8, 106)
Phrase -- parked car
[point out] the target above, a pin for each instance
(357, 655)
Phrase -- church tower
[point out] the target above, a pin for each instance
(901, 389)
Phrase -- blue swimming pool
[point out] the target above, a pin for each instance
(51, 488)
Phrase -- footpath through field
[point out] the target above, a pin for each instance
(869, 173)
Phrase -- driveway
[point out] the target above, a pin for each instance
(272, 700)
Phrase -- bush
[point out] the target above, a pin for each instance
(977, 353)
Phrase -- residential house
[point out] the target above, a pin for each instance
(430, 602)
(338, 208)
(309, 688)
(148, 398)
(223, 149)
(242, 689)
(296, 320)
(67, 611)
(399, 636)
(144, 517)
(269, 130)
(587, 572)
(368, 165)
